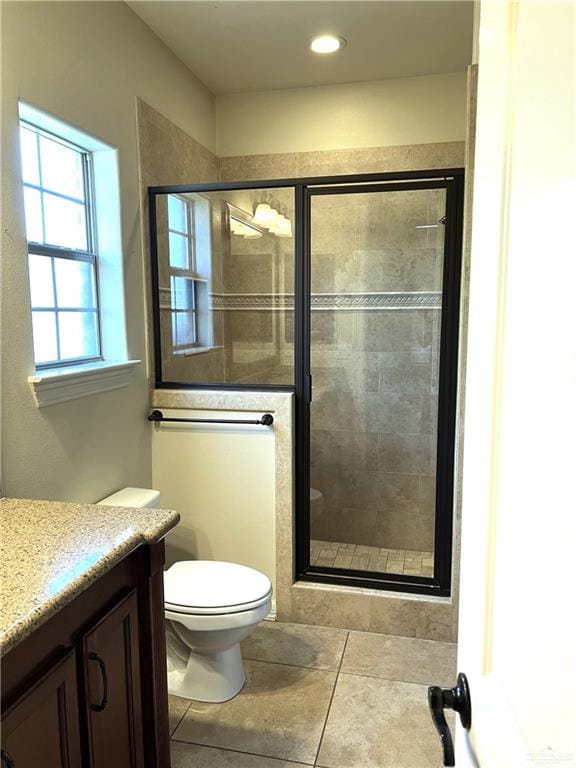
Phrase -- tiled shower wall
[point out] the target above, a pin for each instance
(375, 367)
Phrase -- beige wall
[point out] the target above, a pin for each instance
(86, 63)
(411, 110)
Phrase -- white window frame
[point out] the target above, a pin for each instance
(90, 255)
(190, 274)
(113, 370)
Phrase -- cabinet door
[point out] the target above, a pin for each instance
(112, 688)
(41, 728)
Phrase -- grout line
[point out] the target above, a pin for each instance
(173, 731)
(331, 699)
(285, 664)
(242, 752)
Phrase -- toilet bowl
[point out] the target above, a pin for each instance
(210, 607)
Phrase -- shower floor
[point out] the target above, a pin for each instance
(332, 554)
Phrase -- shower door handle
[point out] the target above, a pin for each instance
(458, 699)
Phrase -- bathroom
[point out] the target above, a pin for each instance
(279, 342)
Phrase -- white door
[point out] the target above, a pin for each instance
(518, 593)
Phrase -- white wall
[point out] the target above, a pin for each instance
(86, 63)
(221, 479)
(411, 110)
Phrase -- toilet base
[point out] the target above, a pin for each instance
(211, 677)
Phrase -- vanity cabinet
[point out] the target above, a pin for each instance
(113, 692)
(88, 689)
(42, 728)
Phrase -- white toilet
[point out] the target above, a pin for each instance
(210, 607)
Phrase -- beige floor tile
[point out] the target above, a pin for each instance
(297, 644)
(326, 562)
(366, 550)
(176, 710)
(327, 553)
(379, 724)
(195, 756)
(279, 713)
(343, 561)
(406, 659)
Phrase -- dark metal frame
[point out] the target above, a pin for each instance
(452, 180)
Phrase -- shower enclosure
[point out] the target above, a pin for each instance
(344, 290)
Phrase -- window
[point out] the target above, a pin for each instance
(188, 288)
(62, 256)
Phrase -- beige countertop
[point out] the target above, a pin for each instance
(51, 551)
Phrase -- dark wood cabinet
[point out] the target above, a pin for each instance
(42, 727)
(88, 689)
(113, 700)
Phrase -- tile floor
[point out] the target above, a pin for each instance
(335, 555)
(317, 696)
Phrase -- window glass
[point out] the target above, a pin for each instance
(29, 157)
(41, 281)
(177, 214)
(62, 261)
(33, 212)
(78, 333)
(62, 168)
(45, 337)
(75, 283)
(64, 222)
(178, 245)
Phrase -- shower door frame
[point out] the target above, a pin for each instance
(451, 179)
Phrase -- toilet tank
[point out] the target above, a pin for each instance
(133, 497)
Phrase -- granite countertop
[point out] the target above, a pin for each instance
(51, 551)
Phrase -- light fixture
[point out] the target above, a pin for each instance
(238, 227)
(327, 44)
(283, 227)
(265, 216)
(251, 233)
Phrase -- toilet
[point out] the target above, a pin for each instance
(210, 607)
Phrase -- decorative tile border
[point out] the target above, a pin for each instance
(329, 301)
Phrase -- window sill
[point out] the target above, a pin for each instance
(57, 385)
(194, 351)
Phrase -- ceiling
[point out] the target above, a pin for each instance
(242, 45)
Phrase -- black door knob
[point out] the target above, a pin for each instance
(458, 699)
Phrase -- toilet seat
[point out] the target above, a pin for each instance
(214, 588)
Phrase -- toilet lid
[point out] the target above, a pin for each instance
(213, 587)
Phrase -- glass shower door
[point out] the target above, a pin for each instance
(376, 281)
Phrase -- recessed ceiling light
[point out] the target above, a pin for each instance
(327, 44)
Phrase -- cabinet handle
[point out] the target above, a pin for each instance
(102, 666)
(7, 761)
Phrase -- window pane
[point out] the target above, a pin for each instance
(178, 251)
(183, 329)
(64, 222)
(78, 335)
(44, 330)
(177, 218)
(33, 213)
(62, 168)
(41, 284)
(75, 284)
(182, 293)
(29, 156)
